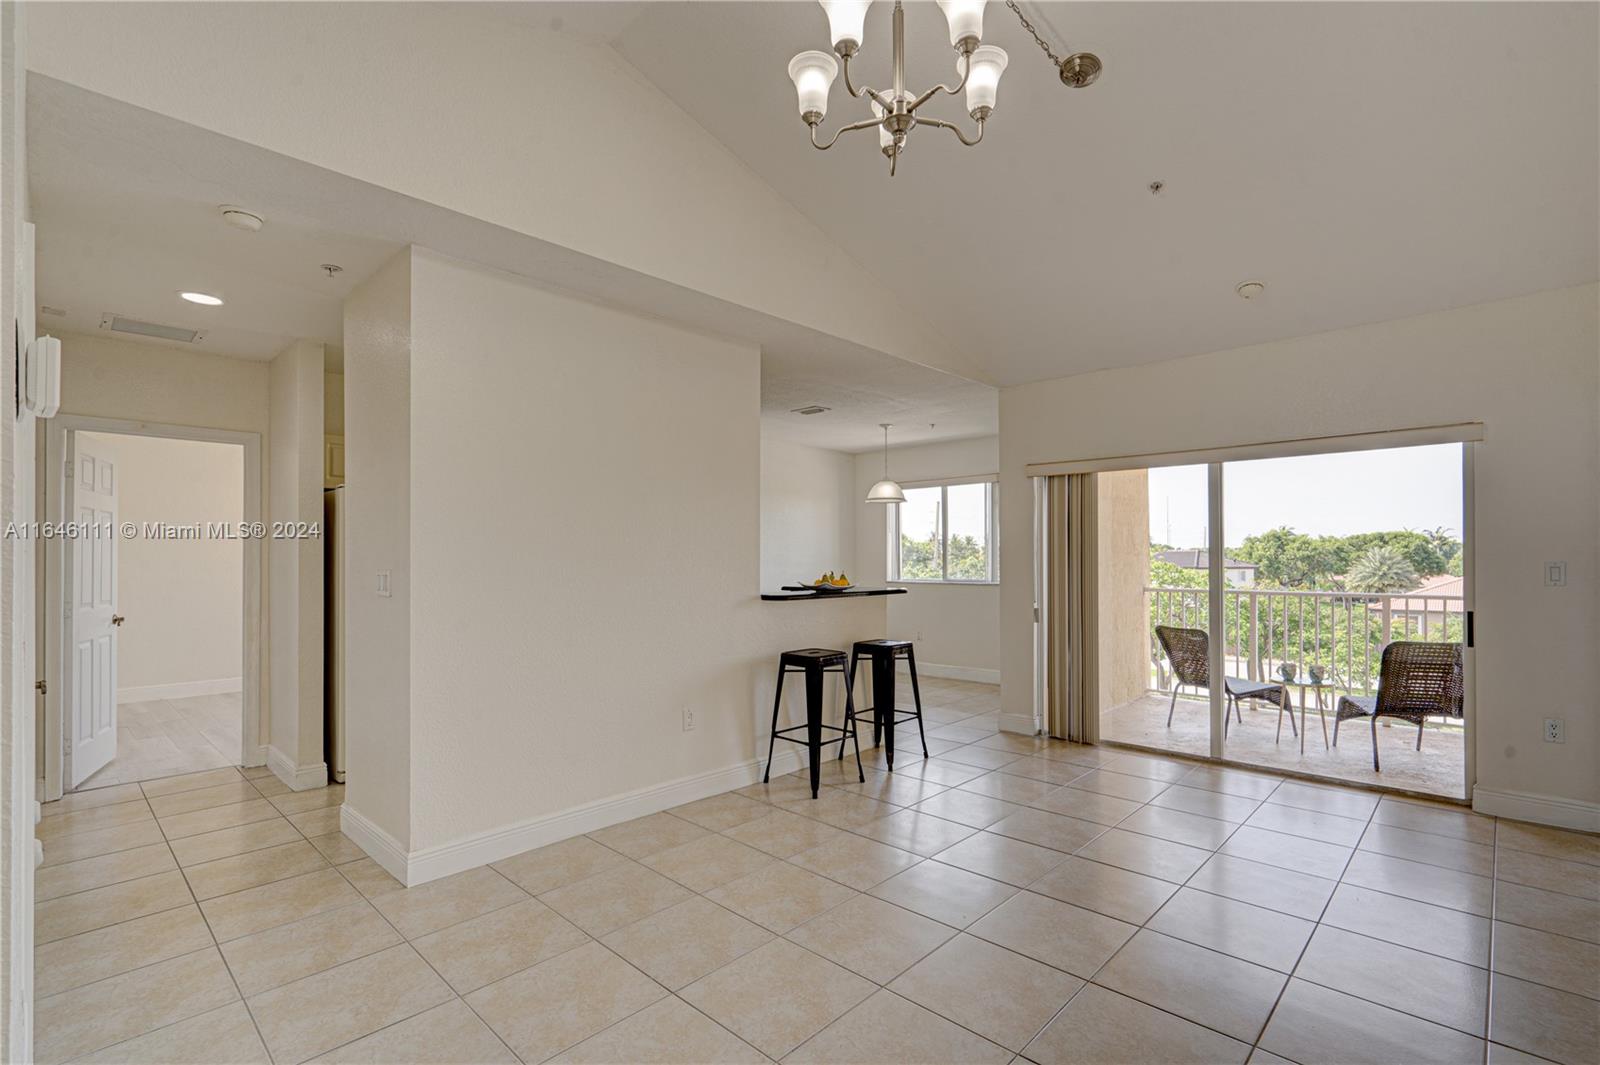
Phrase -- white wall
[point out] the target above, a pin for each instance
(1527, 368)
(294, 566)
(377, 538)
(17, 584)
(555, 633)
(808, 513)
(105, 377)
(703, 221)
(955, 626)
(333, 404)
(182, 598)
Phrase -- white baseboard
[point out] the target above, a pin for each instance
(1542, 809)
(181, 690)
(379, 845)
(297, 777)
(431, 863)
(972, 673)
(1022, 723)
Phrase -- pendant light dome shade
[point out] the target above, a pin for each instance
(886, 491)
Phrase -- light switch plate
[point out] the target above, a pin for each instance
(385, 588)
(1555, 574)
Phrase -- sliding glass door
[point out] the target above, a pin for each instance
(1331, 560)
(1286, 580)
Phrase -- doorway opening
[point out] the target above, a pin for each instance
(1342, 581)
(152, 661)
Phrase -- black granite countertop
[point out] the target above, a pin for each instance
(794, 592)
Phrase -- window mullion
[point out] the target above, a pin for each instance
(944, 532)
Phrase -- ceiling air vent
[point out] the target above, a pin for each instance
(116, 323)
(813, 409)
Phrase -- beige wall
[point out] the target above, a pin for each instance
(808, 513)
(1124, 569)
(182, 598)
(954, 625)
(1527, 368)
(294, 565)
(377, 538)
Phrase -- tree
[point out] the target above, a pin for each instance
(967, 561)
(1418, 548)
(1382, 568)
(1166, 575)
(1289, 559)
(1444, 542)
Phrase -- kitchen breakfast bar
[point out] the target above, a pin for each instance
(816, 662)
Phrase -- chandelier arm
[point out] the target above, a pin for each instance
(864, 90)
(966, 71)
(953, 128)
(867, 123)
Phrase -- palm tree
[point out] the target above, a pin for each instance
(1443, 541)
(1381, 569)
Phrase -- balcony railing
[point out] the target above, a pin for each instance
(1342, 632)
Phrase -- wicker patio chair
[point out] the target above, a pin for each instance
(1416, 681)
(1189, 651)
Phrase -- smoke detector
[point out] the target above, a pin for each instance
(1249, 290)
(239, 218)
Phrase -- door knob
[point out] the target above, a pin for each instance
(117, 619)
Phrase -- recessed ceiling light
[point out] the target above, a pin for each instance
(812, 409)
(205, 299)
(1249, 290)
(239, 218)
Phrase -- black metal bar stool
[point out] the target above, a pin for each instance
(814, 662)
(885, 715)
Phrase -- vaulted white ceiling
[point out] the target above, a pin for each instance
(1366, 161)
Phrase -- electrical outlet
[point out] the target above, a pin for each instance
(688, 719)
(1555, 730)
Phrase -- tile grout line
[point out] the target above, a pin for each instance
(1317, 925)
(894, 807)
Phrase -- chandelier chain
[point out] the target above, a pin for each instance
(1040, 41)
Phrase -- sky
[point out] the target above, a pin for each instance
(1320, 495)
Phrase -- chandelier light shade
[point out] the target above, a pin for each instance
(845, 21)
(987, 63)
(886, 491)
(813, 73)
(885, 138)
(895, 110)
(966, 22)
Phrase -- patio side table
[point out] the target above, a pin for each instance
(1303, 683)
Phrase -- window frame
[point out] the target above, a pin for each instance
(991, 484)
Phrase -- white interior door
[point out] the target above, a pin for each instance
(90, 577)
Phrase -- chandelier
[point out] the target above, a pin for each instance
(894, 110)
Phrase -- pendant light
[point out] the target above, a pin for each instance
(885, 491)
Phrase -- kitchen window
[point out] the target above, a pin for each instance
(946, 533)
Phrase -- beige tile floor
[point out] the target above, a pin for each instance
(169, 737)
(1011, 896)
(1437, 769)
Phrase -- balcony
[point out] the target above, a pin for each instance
(1341, 633)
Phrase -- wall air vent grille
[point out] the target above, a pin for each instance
(116, 323)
